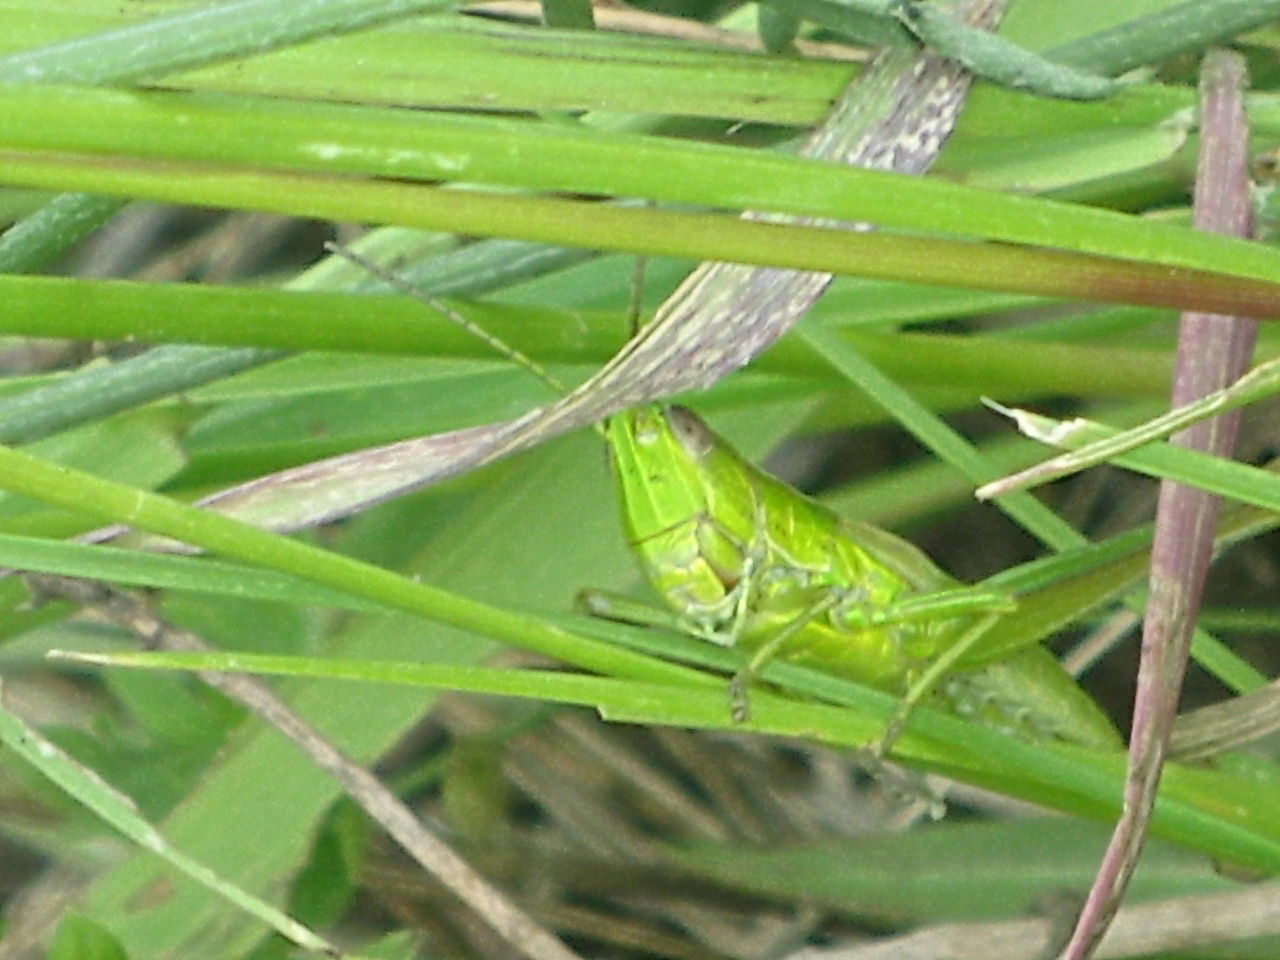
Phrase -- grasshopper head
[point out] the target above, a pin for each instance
(659, 478)
(671, 468)
(687, 502)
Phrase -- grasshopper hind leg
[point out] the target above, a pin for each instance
(930, 681)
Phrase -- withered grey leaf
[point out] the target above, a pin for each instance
(894, 116)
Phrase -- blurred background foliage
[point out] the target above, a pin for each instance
(628, 841)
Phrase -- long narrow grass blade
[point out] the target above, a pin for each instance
(117, 810)
(1164, 461)
(522, 933)
(1262, 381)
(895, 116)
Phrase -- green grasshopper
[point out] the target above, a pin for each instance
(747, 561)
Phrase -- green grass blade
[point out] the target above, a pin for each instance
(117, 810)
(1084, 781)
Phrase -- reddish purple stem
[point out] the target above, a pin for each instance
(1213, 351)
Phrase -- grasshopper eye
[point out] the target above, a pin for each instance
(694, 435)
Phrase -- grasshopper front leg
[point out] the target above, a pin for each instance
(739, 707)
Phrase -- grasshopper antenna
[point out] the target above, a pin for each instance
(637, 294)
(402, 285)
